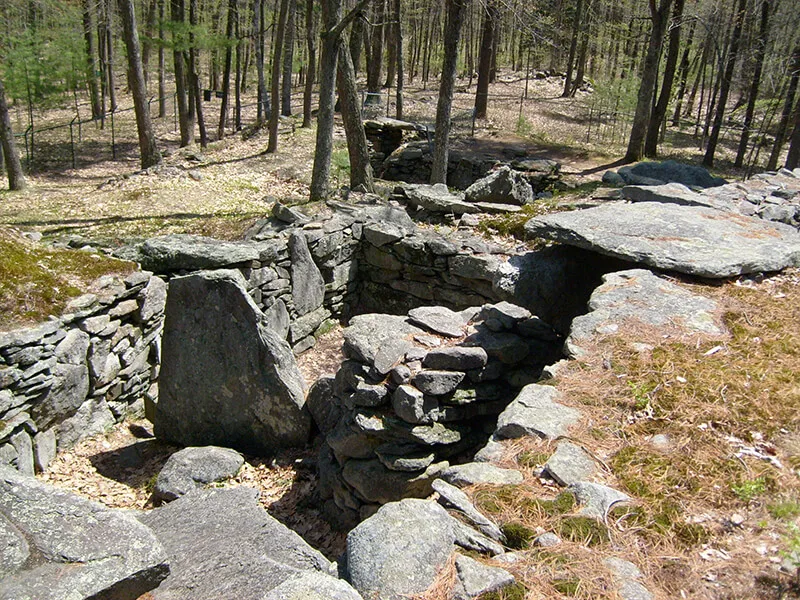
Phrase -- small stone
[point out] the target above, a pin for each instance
(192, 468)
(570, 464)
(44, 449)
(437, 383)
(476, 579)
(439, 320)
(451, 496)
(597, 499)
(412, 405)
(737, 519)
(456, 358)
(547, 540)
(475, 473)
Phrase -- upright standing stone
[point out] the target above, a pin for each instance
(226, 379)
(308, 287)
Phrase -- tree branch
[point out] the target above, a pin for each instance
(337, 30)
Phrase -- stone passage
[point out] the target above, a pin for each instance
(416, 394)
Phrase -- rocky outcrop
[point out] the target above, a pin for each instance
(57, 545)
(669, 171)
(639, 296)
(687, 239)
(398, 551)
(227, 379)
(222, 544)
(76, 375)
(769, 196)
(412, 396)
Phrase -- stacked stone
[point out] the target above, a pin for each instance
(78, 374)
(385, 135)
(416, 394)
(403, 268)
(411, 163)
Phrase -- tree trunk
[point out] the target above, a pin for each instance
(16, 179)
(581, 64)
(262, 112)
(331, 40)
(275, 83)
(288, 59)
(149, 32)
(91, 60)
(786, 112)
(357, 149)
(375, 65)
(683, 77)
(185, 115)
(573, 48)
(240, 72)
(455, 18)
(793, 157)
(194, 76)
(144, 126)
(112, 86)
(162, 65)
(311, 42)
(391, 51)
(488, 32)
(761, 49)
(644, 102)
(725, 84)
(357, 41)
(400, 73)
(331, 12)
(660, 111)
(226, 76)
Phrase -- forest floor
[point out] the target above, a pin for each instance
(716, 509)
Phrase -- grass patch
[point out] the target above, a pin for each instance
(518, 536)
(749, 489)
(513, 224)
(584, 530)
(515, 591)
(37, 281)
(785, 509)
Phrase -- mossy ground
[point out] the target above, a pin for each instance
(37, 281)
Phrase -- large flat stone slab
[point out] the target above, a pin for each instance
(687, 239)
(222, 544)
(57, 546)
(640, 296)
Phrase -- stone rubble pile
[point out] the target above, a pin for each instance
(78, 374)
(418, 393)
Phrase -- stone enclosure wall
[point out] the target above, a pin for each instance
(76, 375)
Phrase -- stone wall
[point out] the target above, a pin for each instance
(417, 394)
(76, 375)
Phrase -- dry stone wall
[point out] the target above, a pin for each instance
(77, 374)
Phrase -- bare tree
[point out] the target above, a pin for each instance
(16, 178)
(332, 25)
(311, 42)
(725, 83)
(148, 149)
(761, 50)
(660, 110)
(226, 76)
(452, 37)
(91, 59)
(490, 21)
(280, 30)
(659, 15)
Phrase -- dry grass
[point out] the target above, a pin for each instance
(714, 512)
